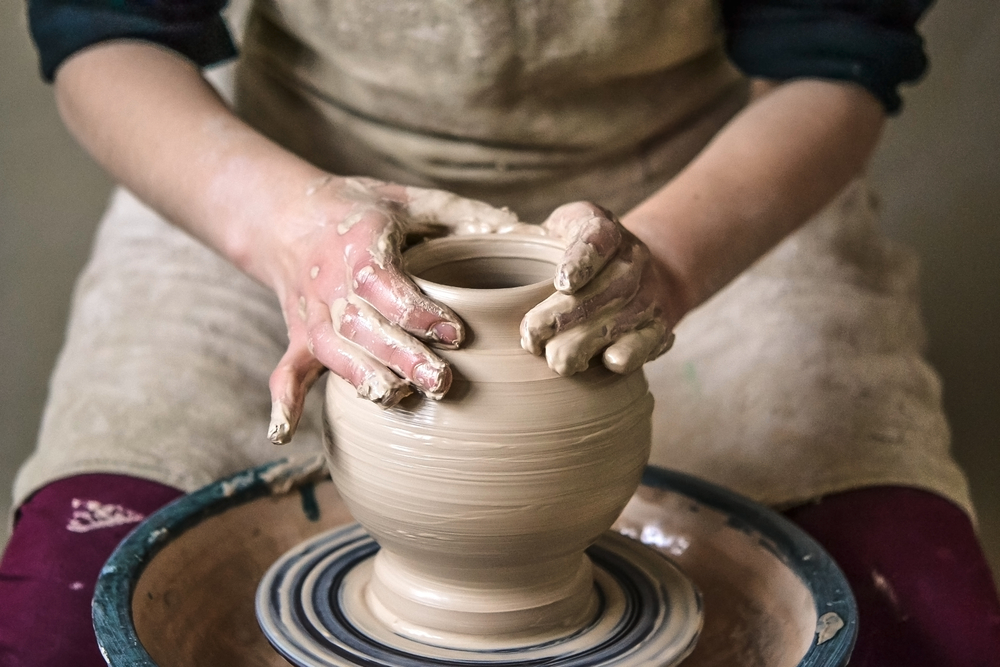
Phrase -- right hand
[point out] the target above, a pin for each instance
(611, 297)
(335, 265)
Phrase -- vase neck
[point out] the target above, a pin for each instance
(490, 281)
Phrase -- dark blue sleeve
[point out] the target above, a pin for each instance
(870, 42)
(193, 28)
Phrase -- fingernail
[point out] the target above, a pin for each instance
(433, 380)
(445, 333)
(280, 430)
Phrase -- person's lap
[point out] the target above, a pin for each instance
(63, 535)
(163, 384)
(164, 371)
(923, 586)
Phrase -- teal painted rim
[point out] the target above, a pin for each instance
(120, 645)
(800, 552)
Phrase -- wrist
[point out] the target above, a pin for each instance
(262, 213)
(679, 292)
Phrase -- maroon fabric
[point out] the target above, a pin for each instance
(925, 594)
(63, 536)
(924, 590)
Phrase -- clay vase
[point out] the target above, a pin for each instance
(484, 502)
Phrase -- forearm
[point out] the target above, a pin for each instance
(773, 166)
(158, 127)
(327, 245)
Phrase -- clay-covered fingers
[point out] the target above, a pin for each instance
(635, 348)
(289, 384)
(389, 291)
(614, 298)
(640, 332)
(610, 291)
(432, 209)
(312, 351)
(357, 322)
(380, 360)
(347, 302)
(629, 335)
(369, 377)
(592, 236)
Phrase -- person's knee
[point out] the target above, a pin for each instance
(62, 536)
(924, 589)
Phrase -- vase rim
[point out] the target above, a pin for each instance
(437, 252)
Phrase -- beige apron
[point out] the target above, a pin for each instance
(801, 378)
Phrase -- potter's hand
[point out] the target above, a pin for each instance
(610, 295)
(348, 305)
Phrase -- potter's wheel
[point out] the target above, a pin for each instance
(180, 590)
(311, 606)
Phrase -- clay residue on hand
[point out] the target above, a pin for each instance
(592, 236)
(279, 430)
(371, 380)
(348, 223)
(605, 297)
(635, 348)
(460, 215)
(354, 318)
(602, 298)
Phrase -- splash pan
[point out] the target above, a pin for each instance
(180, 590)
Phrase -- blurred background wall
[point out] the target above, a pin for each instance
(938, 171)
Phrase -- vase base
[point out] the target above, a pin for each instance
(312, 607)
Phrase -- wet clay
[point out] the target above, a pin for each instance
(461, 215)
(484, 502)
(758, 613)
(642, 596)
(193, 603)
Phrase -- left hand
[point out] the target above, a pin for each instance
(611, 295)
(333, 258)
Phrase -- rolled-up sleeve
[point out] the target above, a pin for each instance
(871, 42)
(193, 28)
